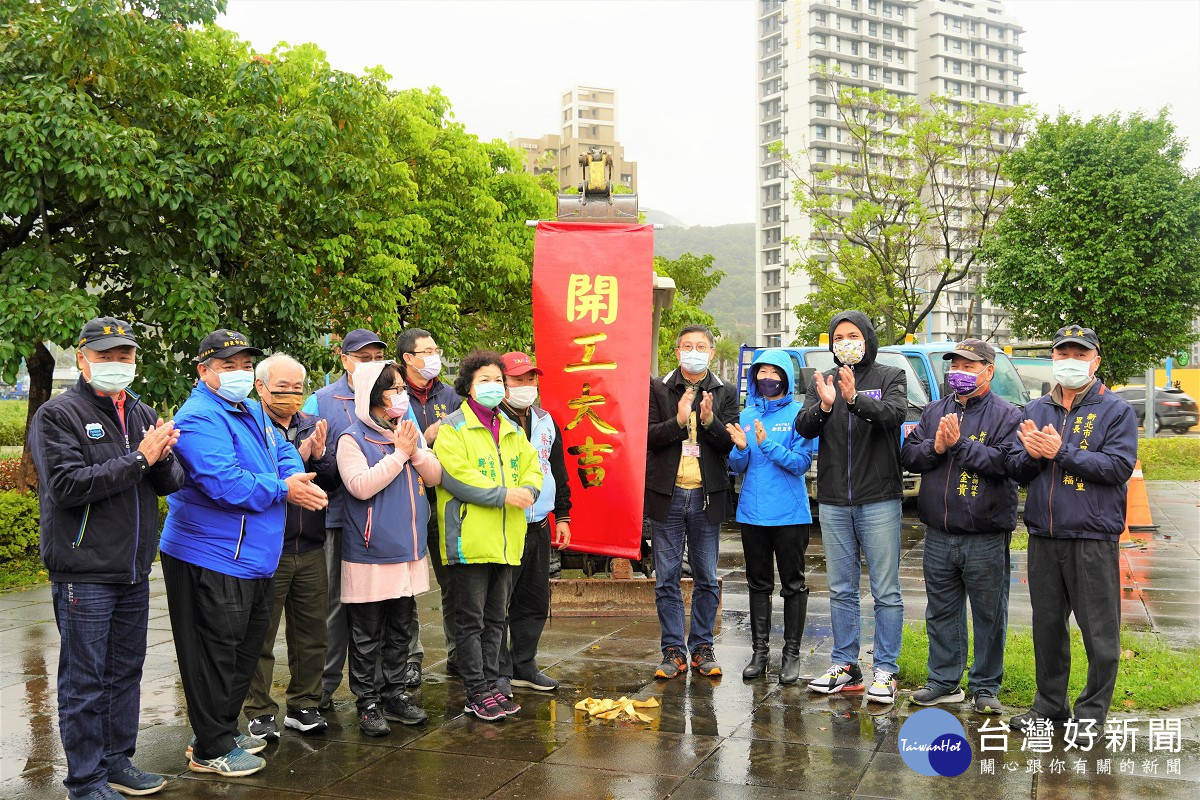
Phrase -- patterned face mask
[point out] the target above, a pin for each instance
(849, 351)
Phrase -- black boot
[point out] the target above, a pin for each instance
(795, 609)
(760, 635)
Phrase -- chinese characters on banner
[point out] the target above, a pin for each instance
(592, 320)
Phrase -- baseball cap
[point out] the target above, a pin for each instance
(973, 349)
(518, 363)
(223, 343)
(359, 338)
(105, 333)
(1079, 335)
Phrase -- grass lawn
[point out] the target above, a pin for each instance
(1174, 458)
(22, 572)
(13, 411)
(1152, 676)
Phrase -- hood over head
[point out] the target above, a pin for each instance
(863, 323)
(365, 376)
(776, 358)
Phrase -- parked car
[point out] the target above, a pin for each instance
(1173, 408)
(1036, 373)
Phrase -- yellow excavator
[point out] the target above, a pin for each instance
(596, 201)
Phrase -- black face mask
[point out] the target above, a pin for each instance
(769, 387)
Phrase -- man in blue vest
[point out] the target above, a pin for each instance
(221, 544)
(335, 404)
(529, 605)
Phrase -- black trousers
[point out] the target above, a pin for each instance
(529, 605)
(481, 595)
(379, 639)
(219, 623)
(1081, 576)
(764, 546)
(445, 579)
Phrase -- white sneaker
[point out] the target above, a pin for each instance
(882, 688)
(839, 678)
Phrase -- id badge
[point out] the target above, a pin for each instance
(691, 450)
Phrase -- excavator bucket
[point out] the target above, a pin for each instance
(595, 200)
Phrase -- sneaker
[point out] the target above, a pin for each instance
(510, 708)
(928, 696)
(504, 686)
(263, 727)
(101, 792)
(704, 661)
(371, 721)
(251, 744)
(484, 706)
(839, 678)
(326, 703)
(987, 703)
(402, 709)
(412, 674)
(306, 720)
(883, 688)
(136, 783)
(673, 665)
(237, 763)
(538, 681)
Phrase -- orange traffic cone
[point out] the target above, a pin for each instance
(1137, 506)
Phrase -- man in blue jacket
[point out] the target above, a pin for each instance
(103, 458)
(221, 545)
(1079, 446)
(969, 506)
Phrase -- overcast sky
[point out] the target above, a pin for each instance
(684, 71)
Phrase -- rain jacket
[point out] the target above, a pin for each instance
(98, 502)
(967, 489)
(1080, 493)
(390, 526)
(475, 526)
(229, 515)
(858, 457)
(773, 491)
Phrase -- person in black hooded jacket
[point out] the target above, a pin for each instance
(857, 409)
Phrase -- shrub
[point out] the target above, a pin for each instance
(8, 473)
(12, 434)
(18, 526)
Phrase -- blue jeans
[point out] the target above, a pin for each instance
(103, 631)
(958, 567)
(688, 520)
(847, 533)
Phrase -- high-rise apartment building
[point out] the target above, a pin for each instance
(589, 119)
(958, 48)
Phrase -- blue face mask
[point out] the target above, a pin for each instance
(235, 385)
(489, 395)
(693, 361)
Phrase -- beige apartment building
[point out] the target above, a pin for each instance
(589, 119)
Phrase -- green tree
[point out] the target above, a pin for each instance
(899, 207)
(694, 278)
(1103, 231)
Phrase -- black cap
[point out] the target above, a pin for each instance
(359, 338)
(225, 343)
(1079, 335)
(973, 349)
(105, 333)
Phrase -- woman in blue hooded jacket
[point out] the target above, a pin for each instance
(773, 507)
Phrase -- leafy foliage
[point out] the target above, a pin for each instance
(1103, 231)
(694, 278)
(18, 526)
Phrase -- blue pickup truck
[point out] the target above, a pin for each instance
(807, 360)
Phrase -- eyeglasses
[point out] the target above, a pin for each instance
(700, 348)
(363, 359)
(430, 351)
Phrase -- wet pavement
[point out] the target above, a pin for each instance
(710, 738)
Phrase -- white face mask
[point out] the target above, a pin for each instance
(432, 368)
(693, 361)
(111, 376)
(522, 396)
(850, 351)
(1072, 373)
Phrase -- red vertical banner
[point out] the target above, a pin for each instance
(593, 303)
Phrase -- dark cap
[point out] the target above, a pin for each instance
(973, 349)
(518, 363)
(105, 333)
(1079, 335)
(359, 338)
(224, 343)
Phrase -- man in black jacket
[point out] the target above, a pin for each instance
(969, 506)
(857, 409)
(103, 458)
(301, 581)
(687, 485)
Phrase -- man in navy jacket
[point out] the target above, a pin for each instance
(221, 545)
(103, 459)
(1079, 446)
(969, 506)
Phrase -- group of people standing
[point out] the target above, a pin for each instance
(331, 510)
(324, 510)
(1074, 448)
